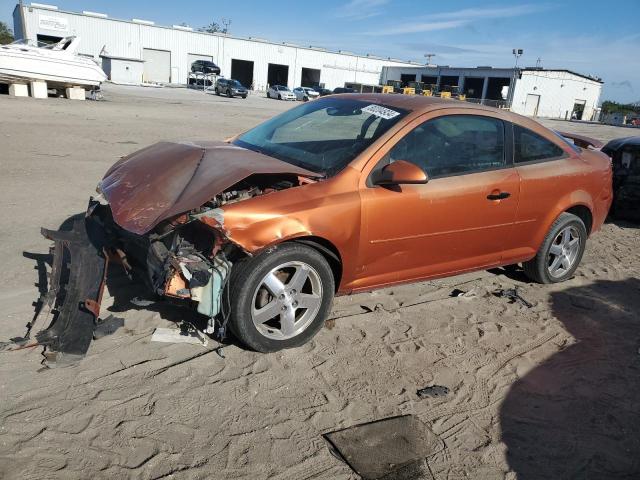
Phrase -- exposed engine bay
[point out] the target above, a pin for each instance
(187, 259)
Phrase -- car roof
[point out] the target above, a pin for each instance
(419, 104)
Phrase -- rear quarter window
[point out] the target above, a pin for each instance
(531, 147)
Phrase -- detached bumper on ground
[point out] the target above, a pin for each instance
(69, 309)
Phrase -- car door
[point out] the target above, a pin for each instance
(460, 220)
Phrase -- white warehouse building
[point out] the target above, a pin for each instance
(137, 51)
(529, 91)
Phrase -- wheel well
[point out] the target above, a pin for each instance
(584, 214)
(329, 252)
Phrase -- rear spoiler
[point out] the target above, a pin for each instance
(582, 141)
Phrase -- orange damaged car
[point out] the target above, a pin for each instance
(344, 194)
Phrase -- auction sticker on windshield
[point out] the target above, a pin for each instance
(382, 112)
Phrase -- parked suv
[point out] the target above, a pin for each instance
(205, 66)
(230, 88)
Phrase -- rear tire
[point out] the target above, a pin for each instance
(560, 252)
(217, 91)
(267, 294)
(229, 93)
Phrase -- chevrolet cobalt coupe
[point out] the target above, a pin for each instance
(344, 194)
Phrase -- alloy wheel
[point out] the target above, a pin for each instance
(563, 252)
(286, 300)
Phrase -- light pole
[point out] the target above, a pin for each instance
(226, 22)
(517, 52)
(429, 56)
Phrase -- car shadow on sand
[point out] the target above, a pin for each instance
(577, 416)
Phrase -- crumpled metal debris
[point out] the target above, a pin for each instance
(513, 296)
(185, 334)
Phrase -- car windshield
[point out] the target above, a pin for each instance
(236, 83)
(323, 136)
(283, 89)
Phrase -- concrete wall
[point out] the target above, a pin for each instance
(558, 92)
(128, 39)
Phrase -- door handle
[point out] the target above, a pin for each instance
(498, 196)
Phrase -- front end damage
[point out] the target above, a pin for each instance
(186, 259)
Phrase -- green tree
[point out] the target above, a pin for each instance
(615, 107)
(6, 34)
(213, 27)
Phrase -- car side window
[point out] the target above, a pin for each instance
(454, 145)
(530, 147)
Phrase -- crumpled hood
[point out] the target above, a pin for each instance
(167, 179)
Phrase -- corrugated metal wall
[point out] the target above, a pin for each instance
(128, 39)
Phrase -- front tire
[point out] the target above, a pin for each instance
(217, 91)
(560, 252)
(279, 97)
(280, 298)
(268, 95)
(229, 93)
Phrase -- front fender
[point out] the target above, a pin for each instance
(328, 211)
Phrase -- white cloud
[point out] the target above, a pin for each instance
(458, 18)
(360, 9)
(501, 12)
(418, 27)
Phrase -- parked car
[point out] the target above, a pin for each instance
(205, 66)
(625, 155)
(343, 90)
(344, 194)
(323, 91)
(305, 93)
(280, 92)
(230, 88)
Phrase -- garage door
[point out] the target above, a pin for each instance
(157, 65)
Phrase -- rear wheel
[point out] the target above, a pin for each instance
(268, 94)
(280, 298)
(279, 97)
(561, 251)
(217, 91)
(229, 93)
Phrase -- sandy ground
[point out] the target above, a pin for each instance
(542, 392)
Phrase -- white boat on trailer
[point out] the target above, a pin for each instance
(57, 64)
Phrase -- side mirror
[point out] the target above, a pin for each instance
(400, 172)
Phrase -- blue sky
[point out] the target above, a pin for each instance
(588, 36)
